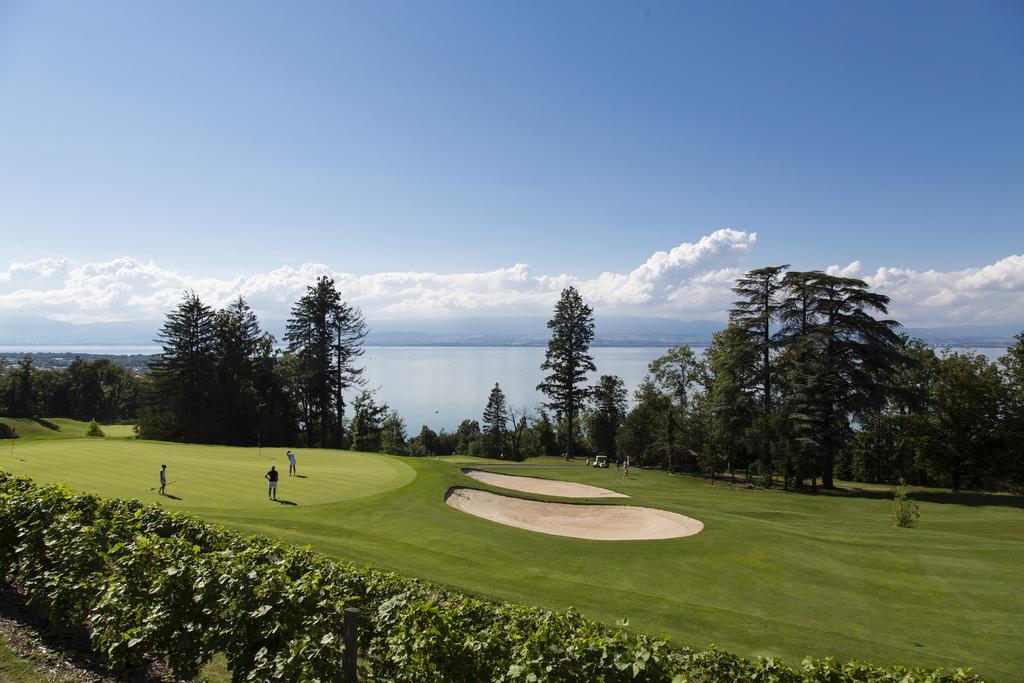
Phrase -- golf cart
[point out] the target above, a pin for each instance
(599, 461)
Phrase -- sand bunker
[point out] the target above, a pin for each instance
(595, 522)
(545, 487)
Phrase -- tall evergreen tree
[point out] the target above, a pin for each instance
(568, 360)
(756, 313)
(180, 405)
(857, 351)
(237, 334)
(732, 363)
(325, 335)
(495, 423)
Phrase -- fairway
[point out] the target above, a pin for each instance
(772, 573)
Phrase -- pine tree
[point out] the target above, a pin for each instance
(568, 360)
(756, 312)
(731, 363)
(237, 334)
(179, 405)
(325, 335)
(495, 423)
(854, 353)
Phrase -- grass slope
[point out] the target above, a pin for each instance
(68, 429)
(772, 573)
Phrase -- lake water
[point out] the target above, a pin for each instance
(441, 386)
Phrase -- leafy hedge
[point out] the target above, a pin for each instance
(142, 584)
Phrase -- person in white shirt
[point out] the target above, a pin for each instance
(291, 463)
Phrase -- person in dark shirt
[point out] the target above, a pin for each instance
(271, 478)
(163, 479)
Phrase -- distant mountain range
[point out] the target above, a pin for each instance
(519, 331)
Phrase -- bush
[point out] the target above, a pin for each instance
(7, 431)
(94, 429)
(143, 584)
(904, 511)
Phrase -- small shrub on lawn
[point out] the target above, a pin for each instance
(94, 429)
(904, 511)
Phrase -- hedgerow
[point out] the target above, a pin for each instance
(141, 584)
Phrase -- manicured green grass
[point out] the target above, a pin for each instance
(68, 429)
(772, 573)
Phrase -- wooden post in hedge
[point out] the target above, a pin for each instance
(351, 636)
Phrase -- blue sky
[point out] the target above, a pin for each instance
(223, 140)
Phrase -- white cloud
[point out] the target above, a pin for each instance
(987, 294)
(692, 280)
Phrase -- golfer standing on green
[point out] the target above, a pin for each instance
(271, 478)
(163, 479)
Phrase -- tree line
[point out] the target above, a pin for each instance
(808, 381)
(85, 390)
(220, 378)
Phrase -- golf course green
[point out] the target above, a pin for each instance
(772, 573)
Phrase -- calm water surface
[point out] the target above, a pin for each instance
(441, 386)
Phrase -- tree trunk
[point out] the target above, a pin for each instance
(568, 435)
(827, 465)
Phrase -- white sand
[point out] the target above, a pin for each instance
(595, 522)
(545, 487)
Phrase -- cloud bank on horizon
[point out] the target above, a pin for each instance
(690, 281)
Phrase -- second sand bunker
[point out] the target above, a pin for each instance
(544, 487)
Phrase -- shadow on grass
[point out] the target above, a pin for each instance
(300, 476)
(969, 498)
(282, 501)
(172, 497)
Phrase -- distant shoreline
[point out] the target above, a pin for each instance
(18, 350)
